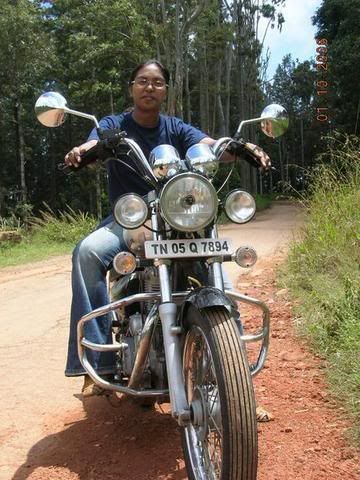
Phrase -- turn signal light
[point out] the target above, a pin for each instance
(245, 257)
(124, 263)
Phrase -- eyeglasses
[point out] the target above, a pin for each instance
(144, 82)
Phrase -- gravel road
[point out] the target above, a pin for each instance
(48, 433)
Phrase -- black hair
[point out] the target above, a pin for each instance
(164, 71)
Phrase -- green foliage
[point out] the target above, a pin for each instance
(66, 227)
(263, 201)
(338, 23)
(10, 223)
(31, 249)
(323, 269)
(51, 234)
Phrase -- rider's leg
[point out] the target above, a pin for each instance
(91, 259)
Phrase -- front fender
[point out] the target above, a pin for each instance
(206, 297)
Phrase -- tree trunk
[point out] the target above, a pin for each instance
(187, 91)
(20, 147)
(176, 108)
(219, 105)
(229, 56)
(53, 186)
(181, 30)
(302, 150)
(111, 101)
(204, 93)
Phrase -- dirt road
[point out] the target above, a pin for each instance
(48, 433)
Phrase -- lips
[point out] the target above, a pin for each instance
(148, 97)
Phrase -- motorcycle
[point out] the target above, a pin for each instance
(176, 329)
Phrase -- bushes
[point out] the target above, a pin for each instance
(323, 271)
(66, 227)
(49, 234)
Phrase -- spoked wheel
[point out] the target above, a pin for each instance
(220, 443)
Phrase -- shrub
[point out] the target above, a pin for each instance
(65, 227)
(323, 270)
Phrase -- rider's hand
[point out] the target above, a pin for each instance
(263, 157)
(73, 158)
(251, 153)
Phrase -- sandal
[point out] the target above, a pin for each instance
(90, 389)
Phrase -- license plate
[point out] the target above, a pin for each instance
(200, 247)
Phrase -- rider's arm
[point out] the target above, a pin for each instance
(227, 157)
(74, 156)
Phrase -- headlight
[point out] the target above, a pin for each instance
(165, 162)
(188, 202)
(130, 211)
(240, 206)
(202, 159)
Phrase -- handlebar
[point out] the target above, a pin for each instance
(111, 141)
(238, 147)
(88, 157)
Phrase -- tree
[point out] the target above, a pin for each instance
(98, 44)
(25, 55)
(338, 23)
(293, 87)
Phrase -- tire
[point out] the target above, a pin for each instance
(221, 440)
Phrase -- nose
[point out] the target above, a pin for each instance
(149, 86)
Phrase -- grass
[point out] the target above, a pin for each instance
(323, 272)
(264, 201)
(50, 234)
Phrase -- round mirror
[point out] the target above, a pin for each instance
(50, 109)
(275, 120)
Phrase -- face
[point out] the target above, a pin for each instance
(148, 90)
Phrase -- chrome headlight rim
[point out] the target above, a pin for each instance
(140, 222)
(229, 198)
(196, 176)
(165, 162)
(202, 159)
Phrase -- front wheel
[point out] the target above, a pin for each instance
(220, 443)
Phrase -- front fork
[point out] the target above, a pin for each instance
(171, 335)
(172, 332)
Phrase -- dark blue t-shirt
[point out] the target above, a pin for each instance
(170, 130)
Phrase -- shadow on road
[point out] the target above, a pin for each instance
(109, 443)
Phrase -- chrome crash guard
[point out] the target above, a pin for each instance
(171, 333)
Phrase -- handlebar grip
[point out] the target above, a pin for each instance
(90, 156)
(239, 147)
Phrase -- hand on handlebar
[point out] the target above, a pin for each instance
(261, 155)
(73, 158)
(252, 153)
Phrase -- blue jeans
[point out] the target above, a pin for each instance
(91, 260)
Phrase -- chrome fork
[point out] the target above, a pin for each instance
(171, 335)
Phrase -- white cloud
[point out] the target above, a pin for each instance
(297, 35)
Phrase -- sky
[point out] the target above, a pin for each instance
(297, 35)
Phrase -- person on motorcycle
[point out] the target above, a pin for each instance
(93, 255)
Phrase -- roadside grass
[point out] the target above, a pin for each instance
(49, 234)
(323, 272)
(264, 201)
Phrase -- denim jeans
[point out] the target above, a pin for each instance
(91, 260)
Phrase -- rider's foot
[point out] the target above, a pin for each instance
(90, 389)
